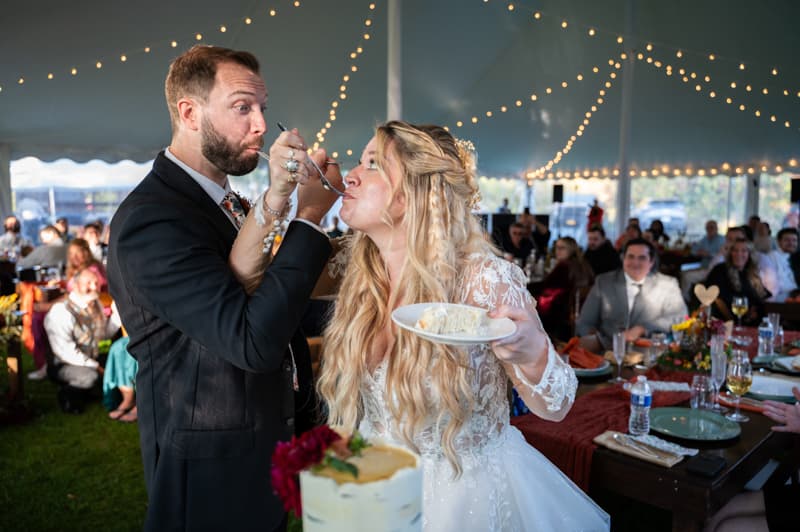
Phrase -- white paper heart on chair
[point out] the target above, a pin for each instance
(706, 295)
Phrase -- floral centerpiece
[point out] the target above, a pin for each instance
(11, 326)
(692, 352)
(318, 448)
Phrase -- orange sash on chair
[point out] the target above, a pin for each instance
(27, 296)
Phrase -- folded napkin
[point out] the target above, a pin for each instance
(789, 363)
(745, 403)
(580, 357)
(626, 444)
(663, 386)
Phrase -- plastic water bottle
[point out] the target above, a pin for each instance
(641, 398)
(765, 338)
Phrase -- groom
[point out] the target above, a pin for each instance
(218, 369)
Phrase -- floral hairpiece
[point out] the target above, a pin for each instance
(468, 157)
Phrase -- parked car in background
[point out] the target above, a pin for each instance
(671, 212)
(569, 219)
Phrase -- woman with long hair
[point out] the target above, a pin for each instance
(739, 276)
(416, 240)
(79, 257)
(565, 286)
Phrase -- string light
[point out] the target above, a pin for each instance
(123, 57)
(666, 170)
(324, 130)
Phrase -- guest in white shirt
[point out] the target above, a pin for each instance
(779, 278)
(74, 327)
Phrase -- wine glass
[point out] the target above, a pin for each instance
(619, 353)
(677, 335)
(719, 362)
(739, 307)
(740, 377)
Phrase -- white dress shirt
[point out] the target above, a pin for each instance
(59, 324)
(632, 288)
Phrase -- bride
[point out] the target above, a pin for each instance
(415, 240)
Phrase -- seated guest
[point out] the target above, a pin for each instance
(556, 295)
(710, 244)
(515, 242)
(74, 328)
(91, 234)
(119, 381)
(62, 224)
(762, 238)
(12, 241)
(52, 252)
(738, 276)
(79, 257)
(541, 238)
(660, 238)
(635, 299)
(781, 279)
(631, 232)
(334, 231)
(600, 254)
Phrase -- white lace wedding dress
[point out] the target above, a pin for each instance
(505, 484)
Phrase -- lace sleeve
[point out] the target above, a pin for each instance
(491, 282)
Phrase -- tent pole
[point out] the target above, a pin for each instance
(394, 66)
(5, 180)
(626, 109)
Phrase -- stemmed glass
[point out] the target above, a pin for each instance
(619, 353)
(740, 377)
(739, 307)
(677, 335)
(719, 362)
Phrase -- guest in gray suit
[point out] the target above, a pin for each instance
(634, 299)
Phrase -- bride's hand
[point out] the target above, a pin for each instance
(528, 345)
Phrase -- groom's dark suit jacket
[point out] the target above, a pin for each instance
(214, 388)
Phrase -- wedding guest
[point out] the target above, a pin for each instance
(74, 328)
(409, 202)
(334, 231)
(635, 299)
(79, 257)
(781, 280)
(224, 371)
(600, 254)
(772, 509)
(52, 252)
(504, 208)
(91, 234)
(738, 276)
(62, 224)
(12, 241)
(566, 285)
(632, 231)
(595, 215)
(660, 238)
(516, 243)
(710, 244)
(119, 379)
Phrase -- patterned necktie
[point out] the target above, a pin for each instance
(233, 205)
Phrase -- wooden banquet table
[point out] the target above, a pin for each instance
(614, 478)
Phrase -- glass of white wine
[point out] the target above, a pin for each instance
(739, 307)
(740, 377)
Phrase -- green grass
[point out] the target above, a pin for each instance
(69, 472)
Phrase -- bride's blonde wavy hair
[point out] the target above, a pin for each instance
(439, 188)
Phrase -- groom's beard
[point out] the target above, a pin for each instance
(221, 154)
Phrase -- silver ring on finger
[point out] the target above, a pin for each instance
(292, 166)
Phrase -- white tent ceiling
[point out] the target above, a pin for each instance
(461, 58)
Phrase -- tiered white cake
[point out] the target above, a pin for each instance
(386, 496)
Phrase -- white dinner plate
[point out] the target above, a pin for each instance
(774, 388)
(407, 316)
(602, 369)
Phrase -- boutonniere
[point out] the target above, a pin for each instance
(245, 203)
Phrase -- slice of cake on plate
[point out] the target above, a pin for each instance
(453, 319)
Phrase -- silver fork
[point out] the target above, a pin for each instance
(324, 180)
